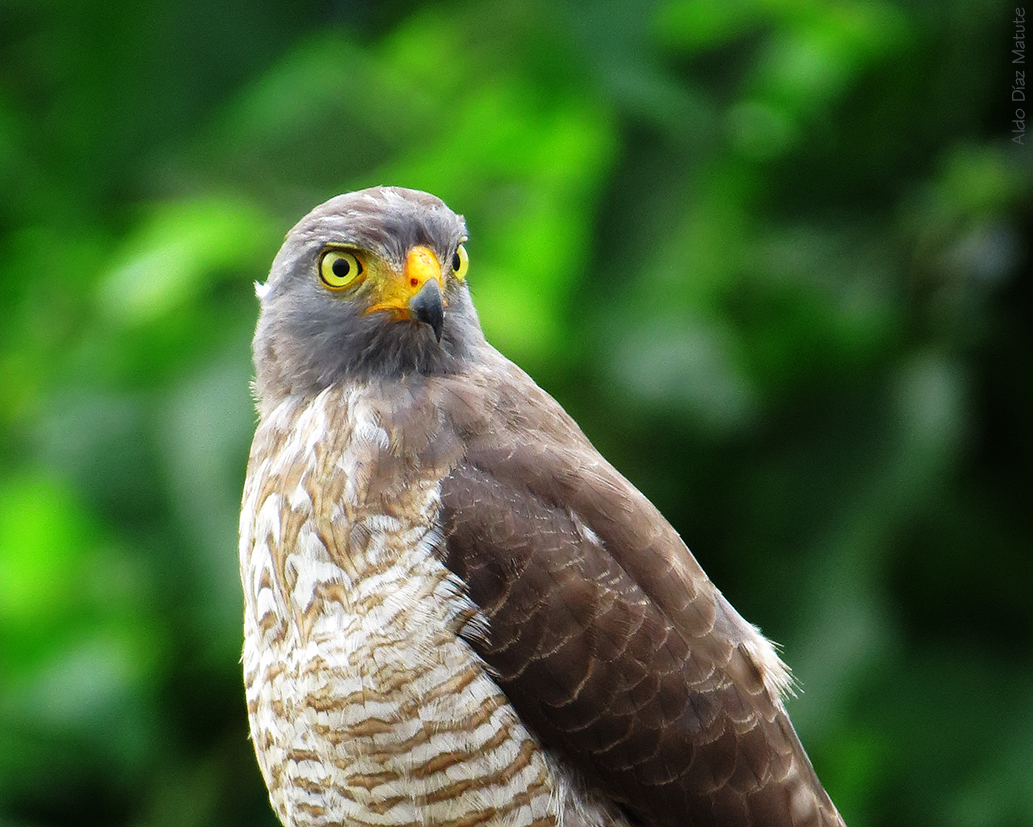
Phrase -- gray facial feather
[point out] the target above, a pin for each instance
(309, 338)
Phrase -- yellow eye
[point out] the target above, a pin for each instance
(460, 262)
(339, 269)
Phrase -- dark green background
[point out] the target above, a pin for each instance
(774, 256)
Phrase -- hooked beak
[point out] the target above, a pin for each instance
(428, 306)
(417, 293)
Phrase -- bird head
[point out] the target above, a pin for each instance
(368, 285)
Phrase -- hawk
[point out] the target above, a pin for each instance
(456, 611)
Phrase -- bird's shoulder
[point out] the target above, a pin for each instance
(526, 463)
(605, 632)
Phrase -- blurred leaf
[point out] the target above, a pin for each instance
(697, 24)
(165, 264)
(44, 539)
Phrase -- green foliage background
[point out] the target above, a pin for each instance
(772, 254)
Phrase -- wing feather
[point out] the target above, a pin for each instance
(604, 631)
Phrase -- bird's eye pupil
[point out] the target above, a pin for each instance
(456, 261)
(341, 268)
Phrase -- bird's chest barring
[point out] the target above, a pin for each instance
(393, 714)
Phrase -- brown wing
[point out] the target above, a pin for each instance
(606, 634)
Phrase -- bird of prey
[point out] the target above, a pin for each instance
(456, 611)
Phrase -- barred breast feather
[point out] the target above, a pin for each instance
(366, 705)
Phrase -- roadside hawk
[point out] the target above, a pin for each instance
(456, 611)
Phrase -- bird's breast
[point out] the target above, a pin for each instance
(366, 706)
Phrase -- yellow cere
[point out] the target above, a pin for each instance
(339, 269)
(395, 290)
